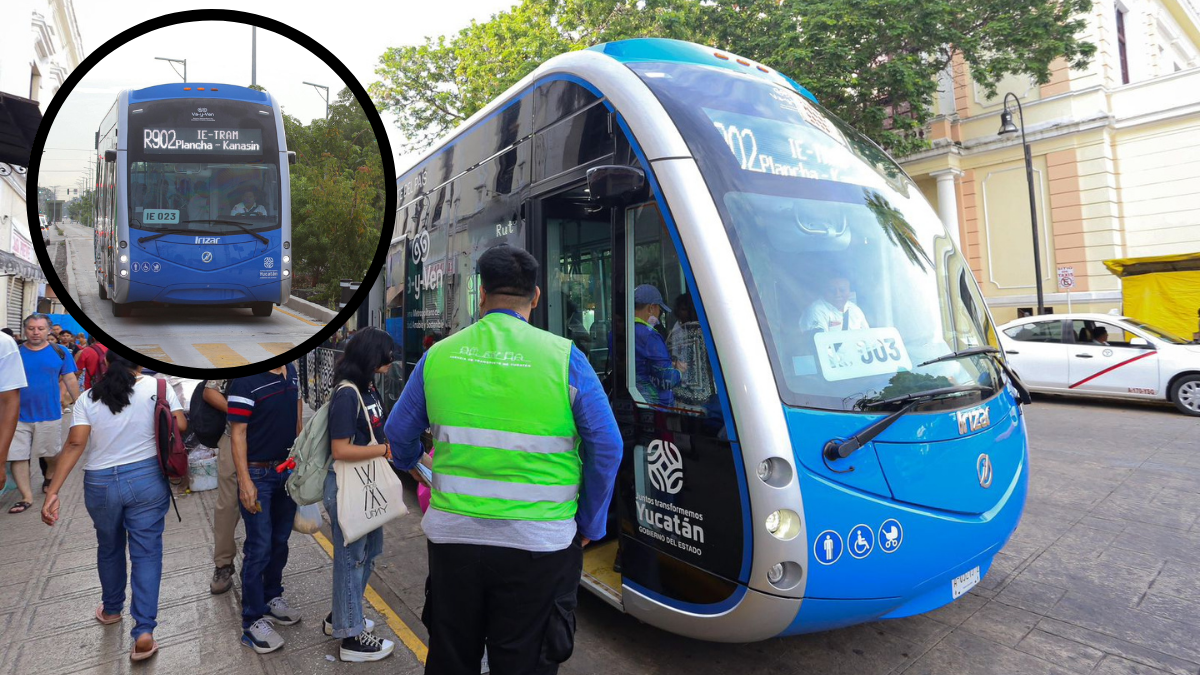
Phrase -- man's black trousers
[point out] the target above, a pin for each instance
(521, 603)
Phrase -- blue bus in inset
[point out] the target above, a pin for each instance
(836, 437)
(193, 205)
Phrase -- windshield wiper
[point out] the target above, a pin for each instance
(1022, 392)
(835, 449)
(236, 224)
(163, 233)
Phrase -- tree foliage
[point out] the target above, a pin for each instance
(856, 56)
(82, 208)
(338, 197)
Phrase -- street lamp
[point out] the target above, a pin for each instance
(1007, 127)
(321, 86)
(173, 62)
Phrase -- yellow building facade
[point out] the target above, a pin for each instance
(1116, 161)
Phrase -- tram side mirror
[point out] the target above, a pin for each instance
(110, 155)
(615, 185)
(291, 156)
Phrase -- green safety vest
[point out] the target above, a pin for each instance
(499, 404)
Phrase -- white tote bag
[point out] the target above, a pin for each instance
(369, 493)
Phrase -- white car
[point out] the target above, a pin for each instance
(1103, 355)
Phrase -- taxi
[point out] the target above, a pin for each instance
(1103, 355)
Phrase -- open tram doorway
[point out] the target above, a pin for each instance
(578, 303)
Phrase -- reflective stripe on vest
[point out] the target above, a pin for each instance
(499, 402)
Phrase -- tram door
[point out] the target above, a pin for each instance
(676, 521)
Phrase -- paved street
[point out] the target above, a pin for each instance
(199, 337)
(1098, 579)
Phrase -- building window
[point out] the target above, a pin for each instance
(1121, 47)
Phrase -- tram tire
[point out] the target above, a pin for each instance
(121, 309)
(262, 308)
(103, 291)
(1185, 394)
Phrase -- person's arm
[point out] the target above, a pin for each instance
(663, 370)
(71, 451)
(10, 411)
(215, 399)
(299, 416)
(600, 448)
(177, 409)
(247, 492)
(408, 420)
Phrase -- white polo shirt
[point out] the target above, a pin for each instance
(822, 316)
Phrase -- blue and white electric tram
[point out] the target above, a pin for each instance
(193, 205)
(837, 438)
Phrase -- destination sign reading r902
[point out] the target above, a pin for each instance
(206, 141)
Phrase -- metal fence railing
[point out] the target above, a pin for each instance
(316, 379)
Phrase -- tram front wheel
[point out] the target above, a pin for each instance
(262, 308)
(121, 309)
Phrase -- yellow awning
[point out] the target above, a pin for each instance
(1181, 262)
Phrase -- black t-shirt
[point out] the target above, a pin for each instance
(266, 402)
(346, 418)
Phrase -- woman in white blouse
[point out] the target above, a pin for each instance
(125, 491)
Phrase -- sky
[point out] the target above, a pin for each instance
(220, 52)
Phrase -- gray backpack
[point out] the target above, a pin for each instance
(312, 455)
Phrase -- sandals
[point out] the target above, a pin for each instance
(135, 655)
(20, 507)
(100, 616)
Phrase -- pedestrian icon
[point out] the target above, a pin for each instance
(891, 535)
(860, 541)
(827, 547)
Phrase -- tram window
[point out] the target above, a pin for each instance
(578, 273)
(668, 360)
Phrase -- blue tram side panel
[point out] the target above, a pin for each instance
(908, 523)
(199, 210)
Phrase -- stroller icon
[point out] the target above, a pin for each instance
(891, 535)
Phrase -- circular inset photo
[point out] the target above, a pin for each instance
(219, 200)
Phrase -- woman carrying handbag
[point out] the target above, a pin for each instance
(125, 491)
(356, 441)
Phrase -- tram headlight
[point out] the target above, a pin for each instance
(124, 273)
(287, 273)
(775, 574)
(287, 259)
(124, 259)
(783, 524)
(775, 471)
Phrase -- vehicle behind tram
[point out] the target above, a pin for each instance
(841, 440)
(193, 202)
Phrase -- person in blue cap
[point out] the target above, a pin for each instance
(656, 374)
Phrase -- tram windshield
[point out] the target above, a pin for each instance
(208, 197)
(854, 279)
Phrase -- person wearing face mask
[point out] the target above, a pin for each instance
(656, 374)
(834, 310)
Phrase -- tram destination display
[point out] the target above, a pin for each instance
(203, 141)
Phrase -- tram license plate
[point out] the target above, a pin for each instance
(964, 582)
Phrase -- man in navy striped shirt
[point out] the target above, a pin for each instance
(265, 416)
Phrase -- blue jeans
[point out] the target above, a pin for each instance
(265, 552)
(352, 567)
(128, 504)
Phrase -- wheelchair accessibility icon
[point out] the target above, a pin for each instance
(860, 541)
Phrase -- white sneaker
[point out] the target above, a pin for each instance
(261, 637)
(484, 667)
(280, 613)
(368, 625)
(365, 647)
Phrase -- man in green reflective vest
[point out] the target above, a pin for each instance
(526, 454)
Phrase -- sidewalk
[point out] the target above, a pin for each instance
(49, 590)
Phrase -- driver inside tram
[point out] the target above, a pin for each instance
(248, 206)
(834, 310)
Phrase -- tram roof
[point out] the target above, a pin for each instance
(663, 50)
(216, 90)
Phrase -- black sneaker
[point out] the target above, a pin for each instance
(368, 625)
(222, 580)
(365, 647)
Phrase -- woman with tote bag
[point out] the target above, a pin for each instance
(125, 491)
(356, 434)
